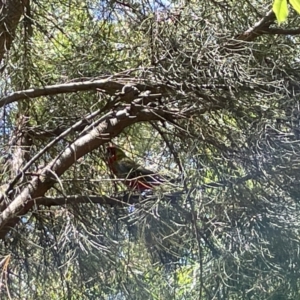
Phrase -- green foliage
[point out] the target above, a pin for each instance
(228, 228)
(280, 8)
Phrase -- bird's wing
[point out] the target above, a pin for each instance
(127, 168)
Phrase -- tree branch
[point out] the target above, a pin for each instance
(107, 85)
(11, 12)
(262, 25)
(111, 126)
(253, 32)
(45, 134)
(280, 31)
(76, 199)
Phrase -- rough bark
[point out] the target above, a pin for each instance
(10, 14)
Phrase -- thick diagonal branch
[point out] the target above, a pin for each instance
(105, 131)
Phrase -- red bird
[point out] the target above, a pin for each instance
(135, 176)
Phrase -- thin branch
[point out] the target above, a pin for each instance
(262, 24)
(75, 199)
(45, 134)
(170, 146)
(253, 32)
(49, 145)
(106, 85)
(280, 31)
(231, 182)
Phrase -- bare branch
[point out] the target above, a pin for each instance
(75, 199)
(263, 24)
(253, 32)
(107, 85)
(280, 31)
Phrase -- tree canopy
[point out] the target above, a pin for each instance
(204, 92)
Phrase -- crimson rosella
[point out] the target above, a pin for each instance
(135, 176)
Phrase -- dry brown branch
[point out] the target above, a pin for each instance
(107, 85)
(280, 31)
(262, 25)
(259, 28)
(75, 199)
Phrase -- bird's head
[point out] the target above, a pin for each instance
(115, 152)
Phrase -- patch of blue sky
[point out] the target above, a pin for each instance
(103, 10)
